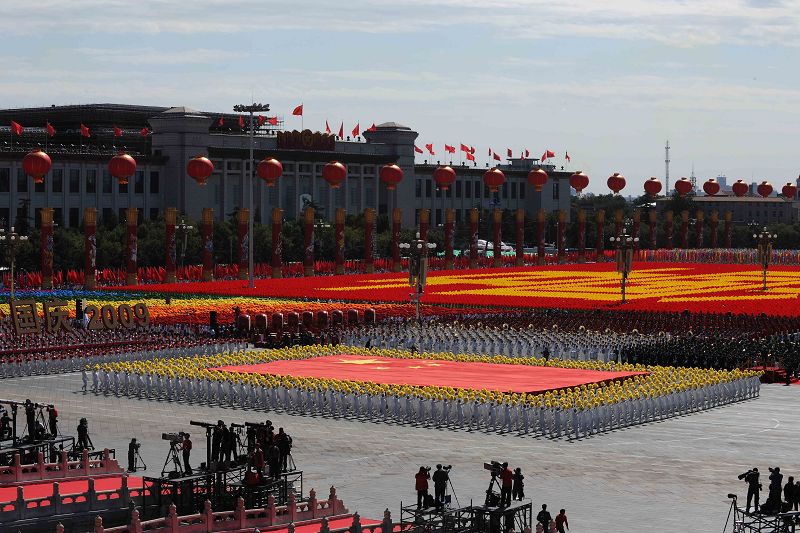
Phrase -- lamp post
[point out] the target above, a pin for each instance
(625, 244)
(183, 229)
(12, 238)
(417, 252)
(765, 240)
(250, 108)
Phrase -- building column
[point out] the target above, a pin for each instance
(90, 247)
(277, 247)
(131, 215)
(497, 224)
(207, 236)
(618, 216)
(728, 228)
(397, 217)
(698, 230)
(308, 241)
(652, 219)
(637, 225)
(424, 223)
(449, 236)
(581, 236)
(369, 240)
(170, 218)
(473, 237)
(600, 244)
(520, 227)
(242, 216)
(562, 236)
(713, 225)
(540, 227)
(338, 242)
(668, 229)
(46, 246)
(684, 229)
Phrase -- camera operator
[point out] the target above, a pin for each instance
(753, 487)
(775, 490)
(5, 424)
(518, 490)
(52, 420)
(421, 484)
(84, 441)
(273, 460)
(284, 442)
(216, 440)
(30, 418)
(186, 448)
(133, 446)
(440, 478)
(506, 484)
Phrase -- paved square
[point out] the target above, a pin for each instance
(663, 477)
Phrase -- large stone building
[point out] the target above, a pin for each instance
(745, 209)
(79, 177)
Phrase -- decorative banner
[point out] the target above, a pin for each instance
(684, 229)
(637, 227)
(497, 244)
(653, 218)
(728, 228)
(600, 244)
(308, 241)
(170, 217)
(132, 215)
(473, 237)
(581, 236)
(520, 227)
(713, 225)
(242, 216)
(46, 247)
(698, 230)
(397, 216)
(449, 235)
(668, 226)
(338, 242)
(618, 215)
(277, 247)
(89, 248)
(540, 227)
(369, 240)
(562, 236)
(207, 230)
(424, 223)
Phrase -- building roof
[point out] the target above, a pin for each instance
(393, 125)
(732, 199)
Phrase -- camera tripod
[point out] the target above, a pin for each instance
(138, 457)
(172, 455)
(490, 495)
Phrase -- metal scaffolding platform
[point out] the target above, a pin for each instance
(470, 519)
(745, 522)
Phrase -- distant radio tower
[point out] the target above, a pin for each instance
(666, 163)
(693, 178)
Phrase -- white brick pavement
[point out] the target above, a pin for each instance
(666, 476)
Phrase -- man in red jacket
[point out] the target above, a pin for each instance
(561, 521)
(421, 484)
(506, 483)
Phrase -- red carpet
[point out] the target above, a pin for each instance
(42, 490)
(338, 523)
(428, 372)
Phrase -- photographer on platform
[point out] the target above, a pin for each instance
(506, 484)
(421, 484)
(30, 418)
(84, 441)
(52, 420)
(440, 478)
(186, 448)
(133, 447)
(753, 487)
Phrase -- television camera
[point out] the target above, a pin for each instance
(492, 497)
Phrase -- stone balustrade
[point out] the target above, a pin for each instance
(64, 469)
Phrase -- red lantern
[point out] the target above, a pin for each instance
(269, 169)
(36, 164)
(334, 173)
(740, 188)
(711, 187)
(444, 177)
(122, 166)
(683, 186)
(579, 181)
(200, 169)
(616, 182)
(652, 186)
(537, 178)
(391, 175)
(764, 189)
(789, 190)
(494, 178)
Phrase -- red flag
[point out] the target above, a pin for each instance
(221, 122)
(508, 151)
(16, 128)
(355, 130)
(51, 131)
(566, 156)
(261, 120)
(117, 132)
(418, 149)
(327, 128)
(298, 110)
(341, 130)
(273, 121)
(472, 150)
(449, 149)
(373, 127)
(470, 157)
(241, 121)
(527, 153)
(496, 157)
(144, 132)
(85, 131)
(550, 154)
(430, 148)
(464, 148)
(490, 152)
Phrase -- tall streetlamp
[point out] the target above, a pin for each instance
(12, 238)
(250, 108)
(625, 244)
(765, 240)
(417, 251)
(183, 229)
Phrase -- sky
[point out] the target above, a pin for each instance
(608, 81)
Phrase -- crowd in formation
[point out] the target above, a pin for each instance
(657, 393)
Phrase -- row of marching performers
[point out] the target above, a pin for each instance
(661, 393)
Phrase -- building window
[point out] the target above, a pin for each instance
(428, 187)
(521, 191)
(74, 181)
(5, 181)
(458, 189)
(153, 213)
(107, 214)
(58, 216)
(91, 181)
(39, 187)
(4, 214)
(233, 165)
(476, 189)
(123, 189)
(355, 198)
(505, 193)
(22, 181)
(155, 182)
(513, 189)
(74, 217)
(467, 189)
(305, 168)
(138, 182)
(107, 183)
(556, 190)
(418, 188)
(58, 180)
